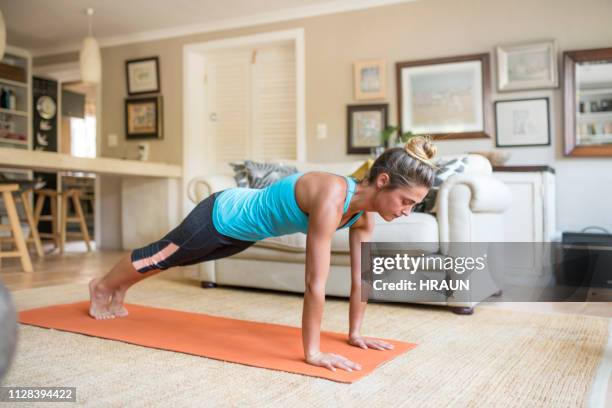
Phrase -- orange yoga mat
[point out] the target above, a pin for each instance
(265, 345)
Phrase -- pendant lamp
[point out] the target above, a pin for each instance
(91, 62)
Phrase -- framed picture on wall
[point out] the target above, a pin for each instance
(447, 98)
(522, 122)
(527, 66)
(142, 75)
(370, 79)
(364, 127)
(143, 118)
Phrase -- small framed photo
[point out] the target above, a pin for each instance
(143, 118)
(447, 98)
(370, 80)
(364, 127)
(527, 66)
(142, 76)
(522, 122)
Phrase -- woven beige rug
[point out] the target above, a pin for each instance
(493, 358)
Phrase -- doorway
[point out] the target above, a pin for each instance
(243, 98)
(79, 124)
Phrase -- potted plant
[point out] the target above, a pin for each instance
(400, 138)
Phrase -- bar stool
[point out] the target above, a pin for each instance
(59, 222)
(7, 191)
(41, 196)
(25, 188)
(75, 195)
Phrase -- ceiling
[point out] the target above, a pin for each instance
(53, 26)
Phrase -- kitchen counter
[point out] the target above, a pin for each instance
(136, 202)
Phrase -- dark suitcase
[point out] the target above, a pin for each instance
(586, 260)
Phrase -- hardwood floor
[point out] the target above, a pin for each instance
(74, 266)
(78, 266)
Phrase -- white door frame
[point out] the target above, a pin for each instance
(194, 101)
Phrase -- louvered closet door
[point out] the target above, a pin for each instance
(229, 102)
(274, 103)
(252, 105)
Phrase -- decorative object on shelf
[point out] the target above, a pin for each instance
(142, 75)
(12, 100)
(527, 66)
(365, 124)
(2, 35)
(587, 90)
(376, 151)
(46, 107)
(522, 122)
(4, 103)
(8, 99)
(12, 72)
(89, 56)
(447, 98)
(143, 118)
(495, 157)
(143, 151)
(370, 79)
(44, 120)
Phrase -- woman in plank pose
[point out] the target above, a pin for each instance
(315, 203)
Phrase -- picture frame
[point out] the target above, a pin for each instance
(142, 76)
(144, 118)
(370, 79)
(587, 114)
(365, 124)
(447, 98)
(522, 122)
(527, 66)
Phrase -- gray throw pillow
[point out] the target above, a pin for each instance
(445, 170)
(240, 174)
(252, 174)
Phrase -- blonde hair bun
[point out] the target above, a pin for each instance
(421, 148)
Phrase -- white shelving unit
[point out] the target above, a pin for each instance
(17, 121)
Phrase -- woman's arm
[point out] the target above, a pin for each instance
(323, 221)
(360, 232)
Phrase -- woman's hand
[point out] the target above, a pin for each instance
(366, 343)
(331, 361)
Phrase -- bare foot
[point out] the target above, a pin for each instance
(99, 299)
(116, 306)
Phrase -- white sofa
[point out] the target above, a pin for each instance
(469, 207)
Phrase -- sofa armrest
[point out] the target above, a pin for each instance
(487, 194)
(201, 187)
(469, 208)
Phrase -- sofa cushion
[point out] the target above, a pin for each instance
(291, 242)
(416, 228)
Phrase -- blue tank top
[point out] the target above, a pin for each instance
(254, 214)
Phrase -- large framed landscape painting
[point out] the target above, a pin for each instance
(447, 98)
